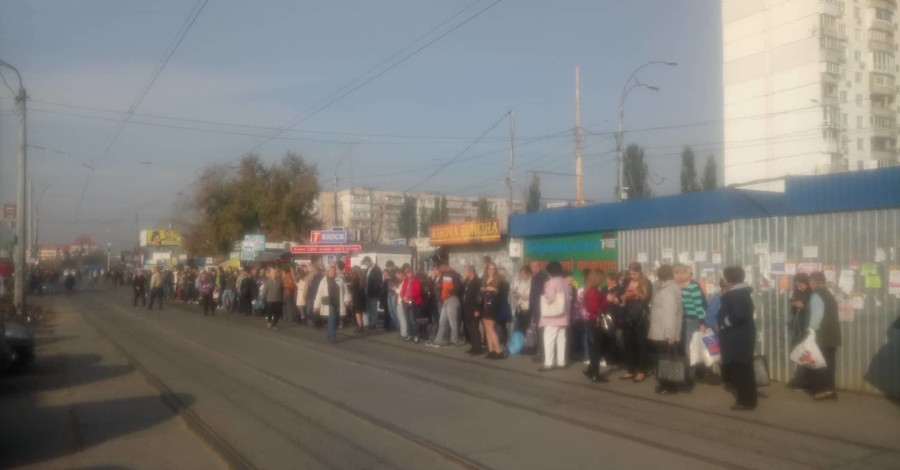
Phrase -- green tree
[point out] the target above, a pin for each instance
(484, 209)
(688, 172)
(533, 194)
(406, 221)
(710, 174)
(636, 173)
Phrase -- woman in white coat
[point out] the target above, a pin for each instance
(666, 315)
(328, 301)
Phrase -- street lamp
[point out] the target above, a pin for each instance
(19, 290)
(630, 84)
(347, 152)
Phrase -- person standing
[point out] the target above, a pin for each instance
(557, 295)
(737, 337)
(613, 336)
(450, 284)
(636, 302)
(522, 298)
(411, 296)
(489, 310)
(538, 279)
(300, 301)
(206, 286)
(245, 292)
(693, 304)
(139, 286)
(156, 288)
(471, 304)
(315, 278)
(666, 315)
(595, 304)
(374, 281)
(823, 318)
(273, 296)
(328, 301)
(290, 291)
(799, 327)
(358, 301)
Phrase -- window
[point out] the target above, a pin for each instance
(884, 80)
(883, 61)
(858, 77)
(859, 99)
(827, 21)
(859, 122)
(857, 13)
(832, 67)
(829, 42)
(844, 120)
(879, 35)
(883, 122)
(883, 15)
(857, 55)
(860, 165)
(843, 96)
(857, 34)
(831, 116)
(860, 144)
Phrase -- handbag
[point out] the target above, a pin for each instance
(530, 338)
(761, 370)
(553, 309)
(672, 369)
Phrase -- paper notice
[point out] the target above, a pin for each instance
(859, 301)
(684, 257)
(717, 257)
(845, 311)
(829, 273)
(790, 268)
(809, 268)
(784, 284)
(668, 254)
(880, 255)
(700, 256)
(811, 251)
(748, 275)
(894, 281)
(642, 258)
(845, 282)
(776, 257)
(761, 248)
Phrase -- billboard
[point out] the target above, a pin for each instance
(473, 231)
(160, 238)
(328, 237)
(576, 252)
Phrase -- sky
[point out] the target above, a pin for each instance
(246, 69)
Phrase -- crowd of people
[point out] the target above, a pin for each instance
(610, 319)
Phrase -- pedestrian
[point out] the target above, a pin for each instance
(490, 309)
(411, 296)
(595, 305)
(156, 288)
(246, 287)
(538, 279)
(315, 278)
(139, 286)
(636, 302)
(693, 304)
(272, 295)
(395, 303)
(374, 280)
(823, 319)
(613, 338)
(358, 301)
(555, 307)
(300, 301)
(798, 327)
(737, 338)
(666, 315)
(290, 291)
(522, 299)
(471, 306)
(429, 307)
(450, 284)
(206, 287)
(328, 302)
(580, 329)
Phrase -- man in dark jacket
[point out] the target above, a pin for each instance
(374, 282)
(139, 286)
(823, 318)
(471, 302)
(538, 279)
(315, 278)
(737, 337)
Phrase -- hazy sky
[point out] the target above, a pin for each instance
(263, 64)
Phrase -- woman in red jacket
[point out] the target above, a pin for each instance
(411, 298)
(595, 304)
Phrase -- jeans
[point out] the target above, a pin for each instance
(554, 342)
(409, 312)
(595, 346)
(690, 326)
(449, 317)
(392, 310)
(156, 293)
(333, 318)
(372, 310)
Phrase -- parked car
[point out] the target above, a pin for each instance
(17, 348)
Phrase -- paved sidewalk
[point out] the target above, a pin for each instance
(81, 405)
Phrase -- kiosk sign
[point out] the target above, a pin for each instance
(328, 237)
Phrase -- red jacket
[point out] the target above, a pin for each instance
(411, 289)
(594, 303)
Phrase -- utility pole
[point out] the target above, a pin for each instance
(512, 158)
(579, 190)
(21, 200)
(29, 249)
(336, 222)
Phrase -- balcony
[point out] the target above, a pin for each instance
(881, 46)
(886, 87)
(830, 100)
(884, 111)
(887, 26)
(885, 155)
(834, 32)
(834, 55)
(889, 5)
(884, 132)
(831, 78)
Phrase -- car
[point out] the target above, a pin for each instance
(18, 346)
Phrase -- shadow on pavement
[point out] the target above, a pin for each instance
(42, 433)
(59, 371)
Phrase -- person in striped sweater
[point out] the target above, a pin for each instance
(693, 301)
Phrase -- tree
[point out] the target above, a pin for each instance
(688, 172)
(636, 173)
(484, 209)
(406, 221)
(277, 200)
(710, 174)
(533, 194)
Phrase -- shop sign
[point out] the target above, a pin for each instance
(576, 252)
(473, 231)
(320, 249)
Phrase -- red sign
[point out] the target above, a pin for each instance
(322, 249)
(9, 211)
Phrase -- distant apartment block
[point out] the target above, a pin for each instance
(810, 87)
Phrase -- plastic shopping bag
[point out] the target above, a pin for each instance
(704, 349)
(516, 343)
(807, 353)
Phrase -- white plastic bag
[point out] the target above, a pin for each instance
(699, 353)
(808, 354)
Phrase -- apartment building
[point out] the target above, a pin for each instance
(372, 215)
(810, 87)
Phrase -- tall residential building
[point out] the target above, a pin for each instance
(372, 215)
(809, 87)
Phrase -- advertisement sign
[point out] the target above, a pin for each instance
(473, 231)
(255, 242)
(576, 252)
(160, 238)
(321, 249)
(9, 211)
(328, 237)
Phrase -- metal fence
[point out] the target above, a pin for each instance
(855, 249)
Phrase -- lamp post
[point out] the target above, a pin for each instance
(630, 84)
(21, 233)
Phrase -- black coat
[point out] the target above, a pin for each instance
(374, 280)
(737, 330)
(829, 334)
(313, 288)
(537, 290)
(471, 298)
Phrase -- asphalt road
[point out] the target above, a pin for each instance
(288, 399)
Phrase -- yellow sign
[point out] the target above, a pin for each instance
(160, 238)
(465, 232)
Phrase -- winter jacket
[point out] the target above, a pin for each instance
(556, 289)
(666, 312)
(737, 330)
(595, 303)
(828, 330)
(328, 297)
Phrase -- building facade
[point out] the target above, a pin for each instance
(372, 215)
(810, 87)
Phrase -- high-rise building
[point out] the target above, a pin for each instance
(372, 215)
(809, 87)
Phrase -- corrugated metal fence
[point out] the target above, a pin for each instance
(855, 249)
